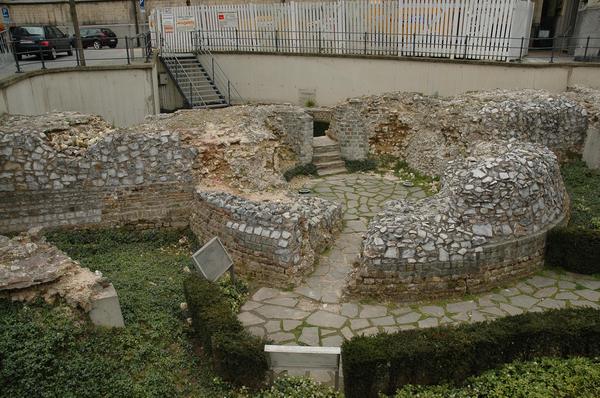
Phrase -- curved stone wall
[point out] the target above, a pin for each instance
(276, 242)
(485, 226)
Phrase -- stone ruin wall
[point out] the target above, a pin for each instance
(486, 226)
(122, 178)
(297, 128)
(275, 242)
(428, 131)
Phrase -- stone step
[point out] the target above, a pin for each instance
(318, 150)
(330, 165)
(326, 157)
(335, 170)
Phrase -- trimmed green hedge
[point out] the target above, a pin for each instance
(385, 362)
(574, 249)
(238, 357)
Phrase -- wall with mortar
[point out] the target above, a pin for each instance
(124, 178)
(487, 225)
(122, 95)
(282, 78)
(274, 242)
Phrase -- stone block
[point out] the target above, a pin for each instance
(106, 310)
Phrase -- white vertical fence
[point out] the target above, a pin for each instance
(472, 29)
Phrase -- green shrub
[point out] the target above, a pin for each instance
(574, 249)
(583, 185)
(385, 362)
(237, 356)
(360, 165)
(235, 293)
(548, 377)
(297, 387)
(301, 169)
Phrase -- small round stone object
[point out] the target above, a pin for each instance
(408, 184)
(304, 191)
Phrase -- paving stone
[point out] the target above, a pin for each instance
(309, 292)
(588, 294)
(477, 316)
(541, 281)
(411, 317)
(461, 317)
(493, 310)
(326, 319)
(273, 326)
(566, 285)
(265, 293)
(391, 329)
(281, 337)
(332, 341)
(309, 336)
(373, 311)
(428, 323)
(283, 301)
(523, 301)
(401, 311)
(485, 302)
(347, 333)
(257, 331)
(383, 321)
(566, 296)
(583, 303)
(250, 305)
(432, 310)
(546, 292)
(350, 310)
(249, 319)
(590, 284)
(357, 324)
(462, 306)
(277, 312)
(290, 324)
(498, 298)
(536, 309)
(510, 309)
(510, 292)
(525, 288)
(552, 303)
(368, 332)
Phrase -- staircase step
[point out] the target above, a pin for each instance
(330, 165)
(326, 157)
(324, 150)
(328, 172)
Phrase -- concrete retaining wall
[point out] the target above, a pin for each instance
(281, 78)
(123, 95)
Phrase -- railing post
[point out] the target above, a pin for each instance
(414, 43)
(365, 43)
(552, 55)
(191, 95)
(466, 45)
(76, 55)
(212, 68)
(521, 49)
(127, 50)
(228, 92)
(237, 42)
(42, 58)
(14, 46)
(276, 41)
(587, 44)
(320, 41)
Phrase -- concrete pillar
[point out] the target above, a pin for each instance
(106, 310)
(591, 149)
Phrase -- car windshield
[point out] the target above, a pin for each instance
(32, 30)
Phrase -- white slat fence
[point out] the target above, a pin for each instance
(467, 29)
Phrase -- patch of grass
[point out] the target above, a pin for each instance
(51, 351)
(583, 185)
(401, 169)
(546, 377)
(354, 166)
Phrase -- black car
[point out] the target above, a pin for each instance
(44, 40)
(98, 38)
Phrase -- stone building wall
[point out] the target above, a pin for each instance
(428, 131)
(114, 179)
(297, 128)
(486, 225)
(274, 242)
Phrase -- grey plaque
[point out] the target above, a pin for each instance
(212, 260)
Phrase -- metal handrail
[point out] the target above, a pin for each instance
(220, 78)
(167, 54)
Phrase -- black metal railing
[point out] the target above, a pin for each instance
(470, 47)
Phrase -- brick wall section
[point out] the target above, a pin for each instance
(349, 129)
(123, 178)
(297, 128)
(276, 243)
(494, 266)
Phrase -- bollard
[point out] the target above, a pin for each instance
(42, 58)
(587, 44)
(16, 55)
(521, 50)
(127, 50)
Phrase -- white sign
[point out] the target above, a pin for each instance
(228, 19)
(212, 260)
(168, 23)
(265, 22)
(186, 23)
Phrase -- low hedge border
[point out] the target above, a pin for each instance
(237, 356)
(451, 354)
(574, 249)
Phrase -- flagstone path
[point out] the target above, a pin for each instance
(315, 314)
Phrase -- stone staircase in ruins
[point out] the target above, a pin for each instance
(327, 157)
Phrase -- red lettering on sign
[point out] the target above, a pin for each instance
(221, 16)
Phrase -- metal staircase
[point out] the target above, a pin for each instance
(193, 81)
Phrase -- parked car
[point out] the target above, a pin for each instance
(45, 40)
(98, 38)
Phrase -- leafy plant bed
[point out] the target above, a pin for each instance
(583, 185)
(385, 362)
(547, 377)
(52, 351)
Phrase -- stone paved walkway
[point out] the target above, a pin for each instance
(313, 313)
